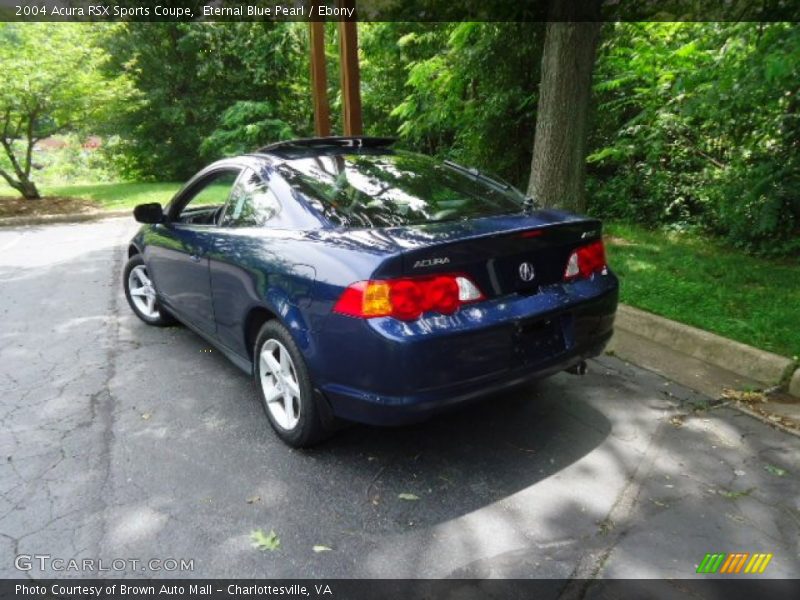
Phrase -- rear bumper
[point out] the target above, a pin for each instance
(355, 405)
(386, 372)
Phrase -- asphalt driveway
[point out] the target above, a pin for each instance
(121, 441)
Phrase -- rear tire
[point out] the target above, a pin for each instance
(285, 388)
(141, 294)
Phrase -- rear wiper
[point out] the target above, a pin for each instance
(473, 172)
(529, 204)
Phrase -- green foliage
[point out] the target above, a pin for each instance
(462, 90)
(465, 90)
(200, 85)
(71, 162)
(387, 50)
(243, 127)
(263, 541)
(51, 85)
(698, 126)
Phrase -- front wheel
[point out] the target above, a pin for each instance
(141, 294)
(285, 388)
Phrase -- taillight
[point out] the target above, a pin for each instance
(585, 261)
(407, 298)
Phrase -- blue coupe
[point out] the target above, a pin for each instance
(356, 282)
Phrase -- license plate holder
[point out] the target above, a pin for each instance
(539, 339)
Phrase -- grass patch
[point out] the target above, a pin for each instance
(109, 196)
(709, 285)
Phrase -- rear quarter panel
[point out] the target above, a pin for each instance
(294, 275)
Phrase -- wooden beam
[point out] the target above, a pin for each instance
(319, 80)
(350, 77)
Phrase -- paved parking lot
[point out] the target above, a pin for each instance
(124, 441)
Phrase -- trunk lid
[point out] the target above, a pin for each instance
(505, 254)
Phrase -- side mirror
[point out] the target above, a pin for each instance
(149, 213)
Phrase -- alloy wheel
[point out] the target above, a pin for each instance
(142, 292)
(279, 384)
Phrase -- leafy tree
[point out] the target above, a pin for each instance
(51, 84)
(469, 90)
(698, 126)
(388, 52)
(201, 86)
(689, 124)
(245, 126)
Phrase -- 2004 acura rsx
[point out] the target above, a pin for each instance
(361, 283)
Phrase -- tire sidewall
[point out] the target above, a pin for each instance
(308, 429)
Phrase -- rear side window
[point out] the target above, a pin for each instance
(383, 190)
(252, 202)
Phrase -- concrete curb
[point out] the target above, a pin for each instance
(751, 363)
(68, 218)
(707, 363)
(794, 384)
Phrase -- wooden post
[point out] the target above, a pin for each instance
(350, 78)
(319, 80)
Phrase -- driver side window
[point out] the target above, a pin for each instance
(209, 198)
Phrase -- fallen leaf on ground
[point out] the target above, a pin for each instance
(146, 416)
(743, 395)
(253, 499)
(405, 496)
(320, 548)
(735, 518)
(677, 420)
(605, 526)
(52, 205)
(734, 495)
(265, 541)
(775, 470)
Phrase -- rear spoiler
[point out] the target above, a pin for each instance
(289, 147)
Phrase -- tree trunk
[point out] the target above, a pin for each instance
(23, 185)
(29, 190)
(559, 151)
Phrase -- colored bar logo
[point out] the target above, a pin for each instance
(734, 563)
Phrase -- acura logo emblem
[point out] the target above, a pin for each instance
(526, 271)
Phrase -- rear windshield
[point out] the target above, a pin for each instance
(383, 190)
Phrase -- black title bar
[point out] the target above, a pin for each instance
(730, 588)
(401, 10)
